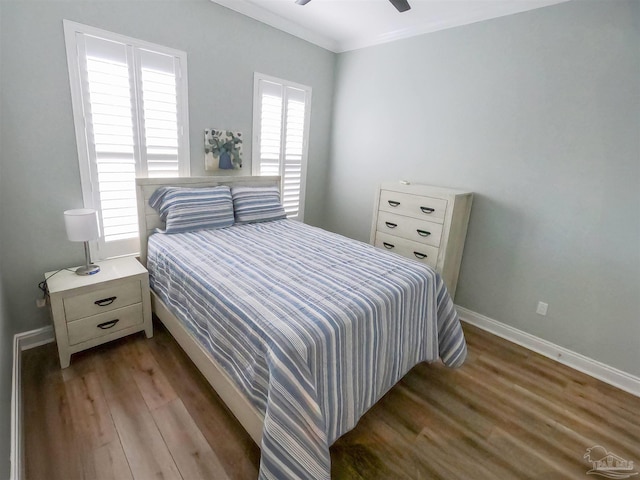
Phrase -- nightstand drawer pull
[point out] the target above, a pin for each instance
(106, 325)
(419, 255)
(391, 225)
(95, 302)
(393, 203)
(423, 233)
(105, 301)
(388, 246)
(427, 210)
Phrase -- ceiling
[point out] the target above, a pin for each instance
(343, 25)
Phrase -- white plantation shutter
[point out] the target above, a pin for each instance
(110, 125)
(129, 101)
(270, 139)
(281, 131)
(293, 149)
(160, 108)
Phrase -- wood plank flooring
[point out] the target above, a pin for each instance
(138, 409)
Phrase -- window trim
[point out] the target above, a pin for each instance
(88, 175)
(255, 157)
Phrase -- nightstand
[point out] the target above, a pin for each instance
(94, 309)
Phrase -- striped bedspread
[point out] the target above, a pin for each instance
(312, 326)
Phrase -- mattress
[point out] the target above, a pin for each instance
(312, 326)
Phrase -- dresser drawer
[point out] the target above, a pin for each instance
(416, 206)
(103, 300)
(420, 231)
(414, 250)
(104, 323)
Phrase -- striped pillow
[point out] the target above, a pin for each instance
(257, 204)
(189, 209)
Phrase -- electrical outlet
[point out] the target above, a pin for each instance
(41, 302)
(542, 308)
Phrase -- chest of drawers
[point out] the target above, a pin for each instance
(427, 224)
(94, 309)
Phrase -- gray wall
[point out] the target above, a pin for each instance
(5, 340)
(539, 114)
(39, 159)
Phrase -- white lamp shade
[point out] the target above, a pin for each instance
(82, 224)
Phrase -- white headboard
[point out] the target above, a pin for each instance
(148, 218)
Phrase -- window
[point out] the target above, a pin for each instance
(130, 113)
(281, 113)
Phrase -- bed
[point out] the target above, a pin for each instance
(300, 331)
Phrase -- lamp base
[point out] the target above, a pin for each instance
(90, 269)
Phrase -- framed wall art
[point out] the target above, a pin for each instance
(222, 150)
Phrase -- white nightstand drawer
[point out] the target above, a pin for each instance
(103, 300)
(416, 206)
(410, 228)
(89, 310)
(104, 323)
(414, 250)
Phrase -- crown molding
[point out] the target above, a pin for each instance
(265, 16)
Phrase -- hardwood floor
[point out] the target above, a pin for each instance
(138, 409)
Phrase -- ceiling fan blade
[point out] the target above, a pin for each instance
(401, 5)
(302, 2)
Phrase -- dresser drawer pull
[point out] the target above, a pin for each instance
(109, 324)
(423, 233)
(393, 203)
(420, 255)
(391, 225)
(388, 246)
(427, 210)
(105, 301)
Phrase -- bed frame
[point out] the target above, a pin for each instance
(148, 219)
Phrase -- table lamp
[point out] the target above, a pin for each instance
(82, 226)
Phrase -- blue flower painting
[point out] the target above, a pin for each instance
(222, 150)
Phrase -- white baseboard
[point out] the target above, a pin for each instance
(21, 342)
(618, 378)
(613, 376)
